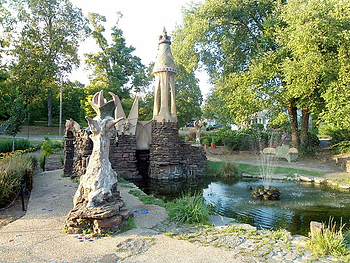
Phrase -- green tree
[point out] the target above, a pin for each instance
(278, 55)
(224, 37)
(73, 96)
(16, 120)
(46, 48)
(188, 96)
(114, 68)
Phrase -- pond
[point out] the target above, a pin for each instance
(300, 202)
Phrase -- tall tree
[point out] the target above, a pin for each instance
(272, 54)
(46, 48)
(114, 68)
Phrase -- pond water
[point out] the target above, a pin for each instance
(300, 202)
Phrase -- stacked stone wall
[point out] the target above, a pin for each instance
(82, 151)
(170, 157)
(122, 156)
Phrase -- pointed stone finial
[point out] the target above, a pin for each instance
(165, 59)
(164, 71)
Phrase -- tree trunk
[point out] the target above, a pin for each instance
(49, 109)
(304, 137)
(292, 111)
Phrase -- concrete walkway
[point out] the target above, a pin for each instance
(38, 236)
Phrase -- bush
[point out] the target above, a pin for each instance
(221, 134)
(48, 148)
(206, 140)
(21, 144)
(342, 147)
(339, 135)
(12, 171)
(245, 140)
(191, 135)
(189, 209)
(230, 170)
(328, 242)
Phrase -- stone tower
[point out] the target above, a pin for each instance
(164, 70)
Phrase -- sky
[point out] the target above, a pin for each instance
(142, 22)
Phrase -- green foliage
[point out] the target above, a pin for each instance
(189, 209)
(17, 118)
(47, 149)
(73, 94)
(328, 242)
(12, 170)
(243, 140)
(205, 141)
(261, 54)
(221, 134)
(230, 170)
(21, 144)
(147, 199)
(341, 147)
(339, 135)
(114, 68)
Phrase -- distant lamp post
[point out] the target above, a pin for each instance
(28, 122)
(60, 118)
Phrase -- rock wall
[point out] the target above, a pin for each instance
(122, 156)
(82, 151)
(170, 157)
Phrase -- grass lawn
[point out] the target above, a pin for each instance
(256, 169)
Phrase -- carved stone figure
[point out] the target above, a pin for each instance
(97, 203)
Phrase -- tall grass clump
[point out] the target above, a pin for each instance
(230, 170)
(329, 241)
(12, 171)
(189, 209)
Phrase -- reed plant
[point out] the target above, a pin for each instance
(12, 171)
(230, 170)
(189, 209)
(330, 241)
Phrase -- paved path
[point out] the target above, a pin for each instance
(38, 236)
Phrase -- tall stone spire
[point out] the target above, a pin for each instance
(164, 71)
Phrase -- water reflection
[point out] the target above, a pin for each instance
(300, 202)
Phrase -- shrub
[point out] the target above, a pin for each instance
(21, 144)
(230, 170)
(189, 209)
(341, 147)
(48, 148)
(12, 171)
(205, 139)
(221, 134)
(339, 135)
(243, 140)
(329, 241)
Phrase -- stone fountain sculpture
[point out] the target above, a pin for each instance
(97, 202)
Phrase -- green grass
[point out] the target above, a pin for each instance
(328, 242)
(189, 209)
(216, 167)
(147, 199)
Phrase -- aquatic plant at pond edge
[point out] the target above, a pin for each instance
(329, 241)
(189, 209)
